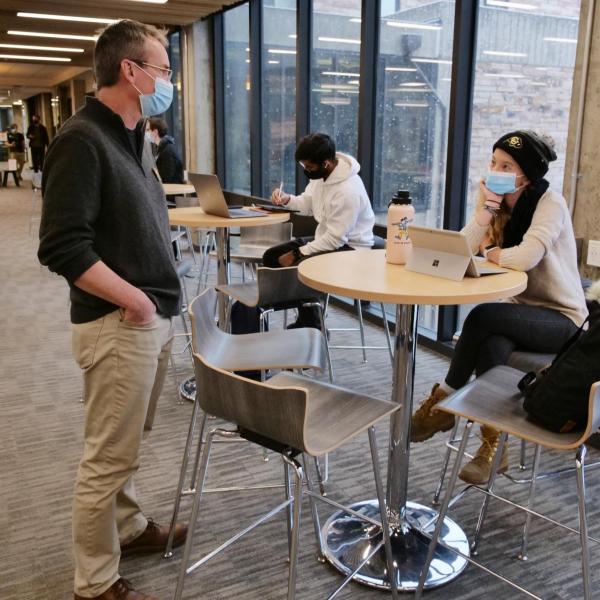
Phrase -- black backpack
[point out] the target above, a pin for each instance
(558, 396)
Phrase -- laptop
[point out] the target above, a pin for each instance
(212, 201)
(444, 253)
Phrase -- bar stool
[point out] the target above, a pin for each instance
(493, 400)
(291, 415)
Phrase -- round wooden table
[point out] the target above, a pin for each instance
(178, 189)
(194, 216)
(350, 543)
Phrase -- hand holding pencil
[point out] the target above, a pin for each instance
(278, 196)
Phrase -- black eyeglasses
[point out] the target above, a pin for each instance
(167, 72)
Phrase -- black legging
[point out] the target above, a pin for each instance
(492, 331)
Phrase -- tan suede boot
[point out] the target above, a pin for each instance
(426, 421)
(478, 470)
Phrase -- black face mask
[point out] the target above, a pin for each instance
(320, 174)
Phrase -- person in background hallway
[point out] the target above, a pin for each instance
(105, 229)
(37, 135)
(336, 197)
(18, 151)
(520, 223)
(168, 161)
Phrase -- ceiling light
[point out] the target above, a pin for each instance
(335, 100)
(339, 40)
(354, 82)
(433, 61)
(412, 104)
(560, 40)
(538, 83)
(273, 62)
(408, 25)
(65, 18)
(26, 57)
(410, 90)
(48, 48)
(500, 53)
(276, 51)
(412, 84)
(5, 105)
(336, 86)
(62, 36)
(509, 75)
(355, 20)
(401, 69)
(293, 36)
(504, 4)
(340, 74)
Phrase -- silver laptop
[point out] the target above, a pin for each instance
(212, 201)
(444, 253)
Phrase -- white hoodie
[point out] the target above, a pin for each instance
(341, 208)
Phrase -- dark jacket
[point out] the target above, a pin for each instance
(168, 162)
(18, 139)
(37, 135)
(103, 201)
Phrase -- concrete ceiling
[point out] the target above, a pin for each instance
(20, 79)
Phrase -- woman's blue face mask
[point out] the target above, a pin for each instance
(502, 183)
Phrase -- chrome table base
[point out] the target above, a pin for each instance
(348, 541)
(187, 389)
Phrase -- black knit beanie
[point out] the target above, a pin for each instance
(532, 152)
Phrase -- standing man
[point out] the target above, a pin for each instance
(168, 161)
(105, 229)
(16, 142)
(37, 135)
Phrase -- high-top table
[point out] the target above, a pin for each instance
(365, 275)
(178, 189)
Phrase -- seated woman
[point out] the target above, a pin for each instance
(522, 224)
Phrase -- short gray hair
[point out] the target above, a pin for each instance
(123, 39)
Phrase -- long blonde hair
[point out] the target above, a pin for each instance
(496, 227)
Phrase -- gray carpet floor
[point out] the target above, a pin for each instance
(41, 419)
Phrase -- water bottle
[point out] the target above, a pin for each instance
(401, 214)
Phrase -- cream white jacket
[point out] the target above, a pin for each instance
(549, 256)
(340, 206)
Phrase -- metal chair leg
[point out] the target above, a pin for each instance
(388, 339)
(583, 529)
(182, 473)
(442, 514)
(436, 497)
(361, 327)
(385, 526)
(293, 568)
(192, 487)
(289, 520)
(489, 487)
(522, 455)
(320, 479)
(314, 511)
(195, 510)
(323, 311)
(530, 500)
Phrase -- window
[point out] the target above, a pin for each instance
(523, 80)
(279, 94)
(174, 116)
(237, 99)
(413, 97)
(335, 75)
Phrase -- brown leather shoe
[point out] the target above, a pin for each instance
(154, 539)
(119, 590)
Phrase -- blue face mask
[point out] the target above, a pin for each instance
(158, 102)
(501, 183)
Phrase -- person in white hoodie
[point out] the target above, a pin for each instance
(520, 223)
(336, 198)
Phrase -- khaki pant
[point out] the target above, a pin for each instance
(21, 158)
(124, 367)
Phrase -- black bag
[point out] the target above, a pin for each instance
(246, 319)
(558, 396)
